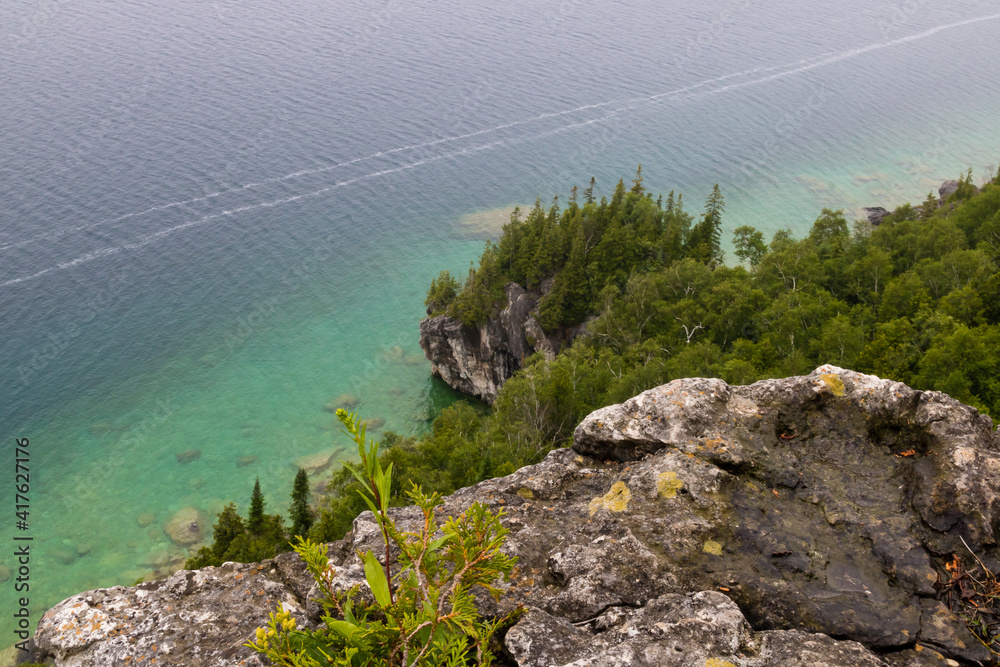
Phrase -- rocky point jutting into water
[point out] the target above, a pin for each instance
(478, 360)
(803, 522)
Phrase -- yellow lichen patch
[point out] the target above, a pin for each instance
(615, 500)
(712, 547)
(667, 484)
(833, 381)
(715, 662)
(525, 493)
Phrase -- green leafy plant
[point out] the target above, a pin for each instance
(424, 614)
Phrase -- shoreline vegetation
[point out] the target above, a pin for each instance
(915, 298)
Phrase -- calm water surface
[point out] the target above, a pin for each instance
(215, 218)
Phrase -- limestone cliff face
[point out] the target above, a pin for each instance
(477, 361)
(797, 522)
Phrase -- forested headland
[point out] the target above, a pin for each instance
(914, 299)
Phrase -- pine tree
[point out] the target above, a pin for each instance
(618, 197)
(637, 182)
(299, 512)
(705, 240)
(588, 194)
(929, 206)
(255, 519)
(227, 529)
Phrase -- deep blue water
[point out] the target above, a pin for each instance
(216, 217)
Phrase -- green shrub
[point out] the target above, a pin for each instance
(423, 616)
(442, 293)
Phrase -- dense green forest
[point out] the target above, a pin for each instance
(915, 299)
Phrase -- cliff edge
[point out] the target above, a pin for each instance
(478, 360)
(808, 521)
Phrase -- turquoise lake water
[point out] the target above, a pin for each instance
(215, 219)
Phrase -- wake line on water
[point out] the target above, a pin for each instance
(150, 238)
(305, 172)
(852, 53)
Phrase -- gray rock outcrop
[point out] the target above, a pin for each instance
(796, 522)
(947, 189)
(190, 619)
(876, 214)
(477, 361)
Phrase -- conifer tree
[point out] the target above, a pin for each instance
(588, 194)
(637, 182)
(705, 241)
(227, 529)
(301, 515)
(929, 206)
(619, 196)
(255, 519)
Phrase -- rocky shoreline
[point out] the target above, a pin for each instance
(803, 521)
(478, 360)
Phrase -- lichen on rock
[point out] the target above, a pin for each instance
(794, 522)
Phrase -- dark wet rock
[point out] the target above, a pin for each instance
(919, 656)
(947, 189)
(876, 214)
(781, 524)
(188, 456)
(941, 628)
(477, 361)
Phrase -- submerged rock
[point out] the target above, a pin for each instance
(314, 463)
(344, 401)
(185, 527)
(188, 456)
(373, 423)
(800, 522)
(244, 461)
(145, 519)
(101, 428)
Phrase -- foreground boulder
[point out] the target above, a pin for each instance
(477, 361)
(795, 522)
